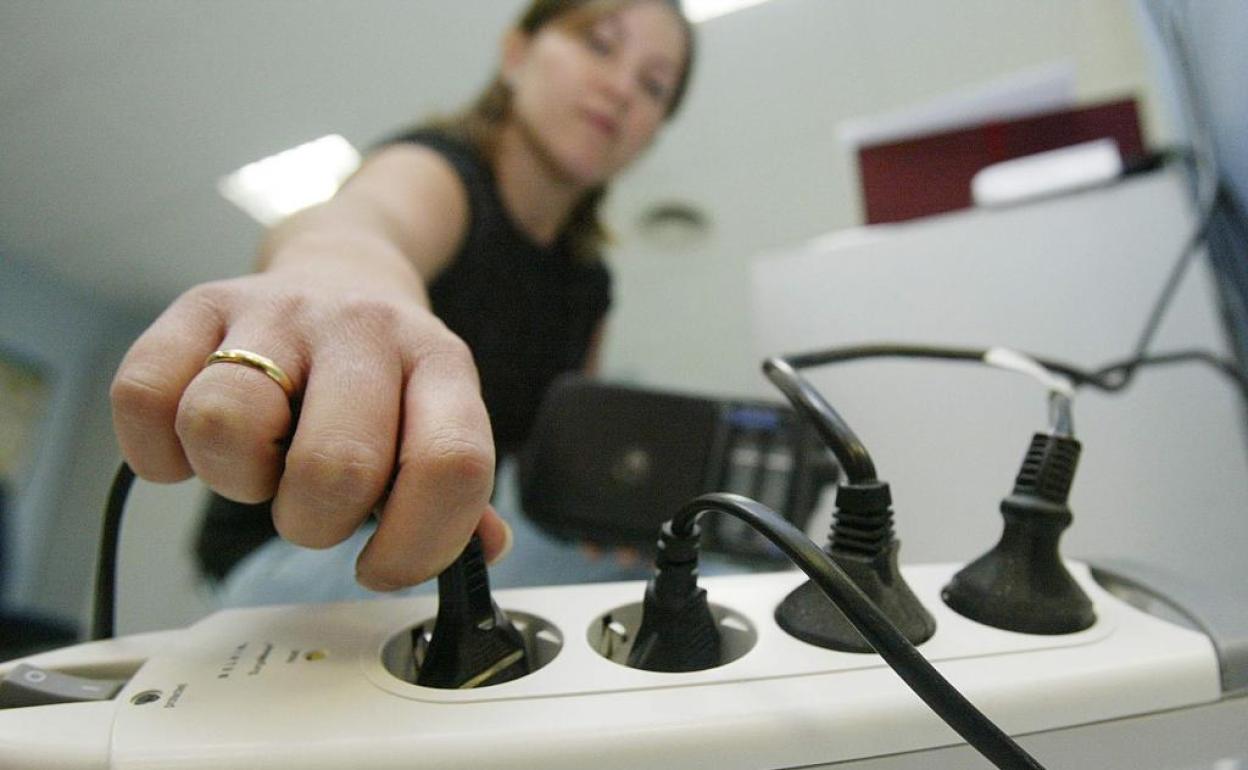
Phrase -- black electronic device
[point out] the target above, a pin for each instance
(608, 463)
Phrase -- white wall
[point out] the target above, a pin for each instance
(53, 536)
(756, 147)
(157, 582)
(51, 323)
(1163, 478)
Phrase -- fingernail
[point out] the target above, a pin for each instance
(375, 585)
(509, 539)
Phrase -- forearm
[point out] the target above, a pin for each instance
(393, 227)
(390, 405)
(333, 241)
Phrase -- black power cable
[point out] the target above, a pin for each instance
(835, 432)
(1227, 368)
(849, 449)
(103, 615)
(1169, 289)
(939, 352)
(902, 656)
(1109, 378)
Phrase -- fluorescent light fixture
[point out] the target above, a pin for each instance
(701, 10)
(275, 187)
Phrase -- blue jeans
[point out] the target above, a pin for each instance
(282, 573)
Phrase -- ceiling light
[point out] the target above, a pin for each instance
(701, 10)
(275, 187)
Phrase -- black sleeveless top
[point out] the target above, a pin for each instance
(527, 312)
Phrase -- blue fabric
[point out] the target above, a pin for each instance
(282, 573)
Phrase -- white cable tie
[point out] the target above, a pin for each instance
(1014, 361)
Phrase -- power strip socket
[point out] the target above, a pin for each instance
(326, 686)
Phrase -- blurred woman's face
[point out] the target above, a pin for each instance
(591, 96)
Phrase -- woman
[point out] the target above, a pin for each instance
(414, 319)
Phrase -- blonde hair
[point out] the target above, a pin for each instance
(478, 125)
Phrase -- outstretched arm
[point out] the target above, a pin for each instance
(390, 411)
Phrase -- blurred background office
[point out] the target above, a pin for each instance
(120, 119)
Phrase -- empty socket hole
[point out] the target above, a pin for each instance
(404, 653)
(611, 634)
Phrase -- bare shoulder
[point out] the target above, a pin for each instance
(420, 198)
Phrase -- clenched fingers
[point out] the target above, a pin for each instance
(148, 386)
(343, 451)
(445, 475)
(233, 420)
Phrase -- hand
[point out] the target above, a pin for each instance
(390, 413)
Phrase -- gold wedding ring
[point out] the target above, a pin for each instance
(255, 361)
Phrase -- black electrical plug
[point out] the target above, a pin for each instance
(474, 643)
(1022, 584)
(678, 631)
(863, 545)
(861, 541)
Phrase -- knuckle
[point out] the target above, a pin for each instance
(454, 349)
(211, 295)
(440, 348)
(317, 538)
(393, 565)
(344, 469)
(376, 318)
(136, 391)
(309, 529)
(410, 573)
(287, 304)
(453, 459)
(209, 422)
(250, 295)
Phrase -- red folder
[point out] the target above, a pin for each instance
(931, 174)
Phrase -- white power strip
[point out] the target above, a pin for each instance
(314, 686)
